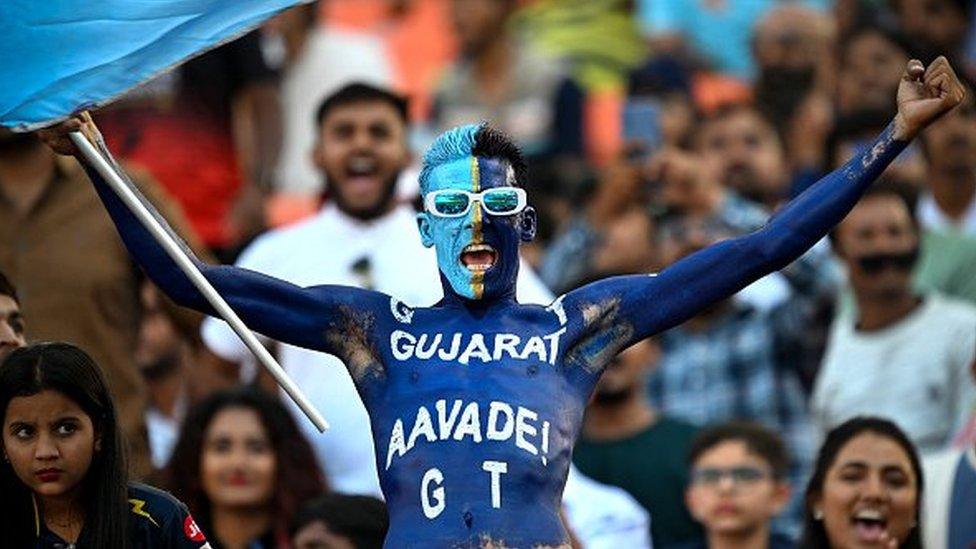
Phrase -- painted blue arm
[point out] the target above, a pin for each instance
(648, 304)
(273, 307)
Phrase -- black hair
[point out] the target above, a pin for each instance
(758, 440)
(814, 533)
(64, 368)
(730, 109)
(298, 477)
(473, 140)
(965, 6)
(7, 288)
(873, 22)
(362, 519)
(885, 186)
(360, 92)
(490, 142)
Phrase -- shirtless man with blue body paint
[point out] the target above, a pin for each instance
(475, 402)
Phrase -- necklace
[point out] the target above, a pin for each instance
(69, 528)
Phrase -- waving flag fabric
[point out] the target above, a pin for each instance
(60, 56)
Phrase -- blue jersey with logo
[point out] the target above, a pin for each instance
(157, 520)
(475, 404)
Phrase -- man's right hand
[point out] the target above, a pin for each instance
(57, 136)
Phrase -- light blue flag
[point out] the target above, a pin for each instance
(61, 56)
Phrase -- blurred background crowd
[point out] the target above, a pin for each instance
(653, 128)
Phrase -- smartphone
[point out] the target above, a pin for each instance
(642, 126)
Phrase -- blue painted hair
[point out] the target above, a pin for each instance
(479, 140)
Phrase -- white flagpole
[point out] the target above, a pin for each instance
(173, 249)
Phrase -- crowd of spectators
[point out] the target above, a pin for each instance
(294, 150)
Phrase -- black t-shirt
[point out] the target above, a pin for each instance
(652, 467)
(157, 520)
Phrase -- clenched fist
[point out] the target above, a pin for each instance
(925, 94)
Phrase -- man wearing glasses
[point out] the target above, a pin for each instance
(476, 401)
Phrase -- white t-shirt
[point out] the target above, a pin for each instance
(603, 516)
(326, 249)
(915, 373)
(932, 217)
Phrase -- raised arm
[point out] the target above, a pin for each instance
(645, 305)
(278, 309)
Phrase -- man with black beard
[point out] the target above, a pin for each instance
(165, 356)
(740, 150)
(626, 442)
(903, 355)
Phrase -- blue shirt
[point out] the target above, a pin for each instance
(157, 520)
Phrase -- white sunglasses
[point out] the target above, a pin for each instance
(457, 202)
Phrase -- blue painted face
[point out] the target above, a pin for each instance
(477, 253)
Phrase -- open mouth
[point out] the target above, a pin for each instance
(870, 525)
(478, 258)
(362, 169)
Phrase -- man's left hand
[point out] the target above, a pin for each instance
(925, 94)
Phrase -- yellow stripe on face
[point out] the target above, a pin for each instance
(477, 279)
(475, 175)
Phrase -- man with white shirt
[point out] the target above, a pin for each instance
(904, 355)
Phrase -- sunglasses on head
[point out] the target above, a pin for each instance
(457, 202)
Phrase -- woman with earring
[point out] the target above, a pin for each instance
(865, 489)
(63, 475)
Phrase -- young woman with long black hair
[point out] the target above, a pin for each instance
(63, 476)
(243, 467)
